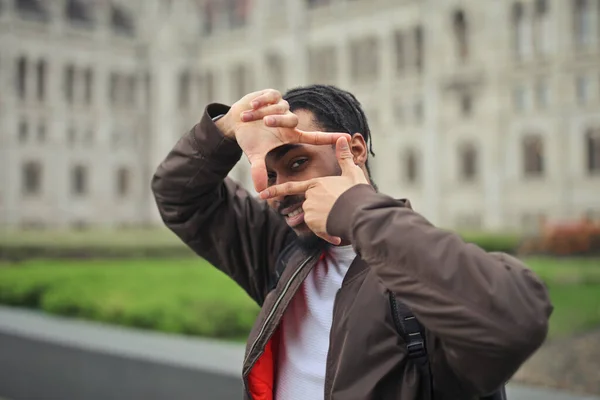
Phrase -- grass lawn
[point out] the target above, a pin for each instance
(189, 296)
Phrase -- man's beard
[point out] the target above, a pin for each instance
(308, 241)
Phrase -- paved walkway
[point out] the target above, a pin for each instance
(208, 355)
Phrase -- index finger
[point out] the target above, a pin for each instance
(286, 189)
(320, 138)
(268, 96)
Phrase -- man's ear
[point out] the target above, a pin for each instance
(359, 150)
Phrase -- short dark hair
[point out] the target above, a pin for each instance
(335, 110)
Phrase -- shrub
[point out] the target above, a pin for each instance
(186, 296)
(501, 242)
(565, 239)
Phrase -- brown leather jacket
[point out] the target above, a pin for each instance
(484, 313)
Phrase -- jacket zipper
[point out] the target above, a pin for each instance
(270, 316)
(395, 313)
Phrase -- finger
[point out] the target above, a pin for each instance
(269, 96)
(258, 171)
(286, 189)
(279, 108)
(320, 138)
(331, 239)
(287, 120)
(344, 155)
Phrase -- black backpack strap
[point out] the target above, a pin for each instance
(411, 330)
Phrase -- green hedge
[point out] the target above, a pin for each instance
(503, 242)
(186, 296)
(17, 253)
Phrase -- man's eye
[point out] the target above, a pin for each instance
(298, 163)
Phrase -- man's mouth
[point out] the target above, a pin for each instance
(295, 215)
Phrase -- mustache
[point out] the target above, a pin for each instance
(290, 201)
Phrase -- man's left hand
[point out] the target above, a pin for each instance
(321, 193)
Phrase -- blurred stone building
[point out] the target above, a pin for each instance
(486, 114)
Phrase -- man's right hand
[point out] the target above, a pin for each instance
(262, 121)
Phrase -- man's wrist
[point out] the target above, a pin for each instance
(221, 121)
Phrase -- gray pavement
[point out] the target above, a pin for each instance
(209, 364)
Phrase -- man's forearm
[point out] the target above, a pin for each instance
(197, 164)
(489, 311)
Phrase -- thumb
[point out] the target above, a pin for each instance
(344, 155)
(258, 171)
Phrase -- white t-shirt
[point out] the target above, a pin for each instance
(305, 329)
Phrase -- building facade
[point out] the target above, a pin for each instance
(485, 114)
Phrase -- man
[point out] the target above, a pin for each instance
(326, 328)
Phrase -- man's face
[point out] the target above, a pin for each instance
(299, 162)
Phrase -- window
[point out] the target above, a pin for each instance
(79, 180)
(542, 95)
(132, 90)
(32, 9)
(41, 80)
(239, 81)
(322, 64)
(582, 23)
(69, 83)
(89, 84)
(592, 143)
(519, 99)
(210, 16)
(468, 162)
(207, 88)
(113, 87)
(459, 23)
(184, 89)
(521, 39)
(41, 133)
(23, 131)
(582, 89)
(542, 27)
(533, 156)
(79, 12)
(123, 182)
(238, 12)
(121, 21)
(31, 179)
(399, 51)
(466, 105)
(419, 50)
(411, 167)
(364, 59)
(22, 78)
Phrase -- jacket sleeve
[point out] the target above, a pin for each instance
(489, 312)
(213, 215)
